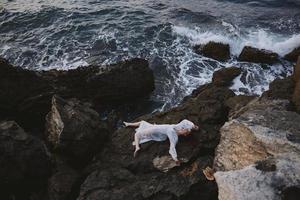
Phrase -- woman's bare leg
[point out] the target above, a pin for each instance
(137, 144)
(135, 124)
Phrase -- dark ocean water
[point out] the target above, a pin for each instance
(64, 34)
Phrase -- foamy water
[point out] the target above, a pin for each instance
(43, 35)
(262, 39)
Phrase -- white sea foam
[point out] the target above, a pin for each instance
(261, 39)
(254, 79)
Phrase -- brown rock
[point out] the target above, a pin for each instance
(215, 50)
(164, 163)
(224, 76)
(293, 55)
(250, 54)
(296, 74)
(296, 94)
(280, 89)
(238, 148)
(259, 150)
(237, 102)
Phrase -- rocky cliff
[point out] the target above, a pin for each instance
(251, 142)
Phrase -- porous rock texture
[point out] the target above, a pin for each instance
(259, 152)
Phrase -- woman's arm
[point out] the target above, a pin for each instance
(135, 124)
(173, 141)
(172, 151)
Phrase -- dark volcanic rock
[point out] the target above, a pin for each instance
(117, 175)
(250, 54)
(293, 55)
(224, 76)
(73, 129)
(120, 183)
(63, 183)
(25, 95)
(19, 87)
(215, 50)
(116, 83)
(24, 162)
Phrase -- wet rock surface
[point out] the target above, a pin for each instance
(214, 50)
(224, 76)
(250, 54)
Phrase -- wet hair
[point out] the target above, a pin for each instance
(185, 124)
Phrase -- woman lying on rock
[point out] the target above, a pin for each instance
(160, 132)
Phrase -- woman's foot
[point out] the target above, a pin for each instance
(135, 152)
(125, 123)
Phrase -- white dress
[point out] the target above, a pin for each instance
(160, 132)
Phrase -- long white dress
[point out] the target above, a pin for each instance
(160, 132)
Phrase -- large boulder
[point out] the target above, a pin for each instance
(237, 102)
(74, 130)
(259, 152)
(224, 76)
(116, 174)
(24, 162)
(26, 94)
(293, 55)
(214, 50)
(251, 54)
(280, 89)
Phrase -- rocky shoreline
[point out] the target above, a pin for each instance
(54, 145)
